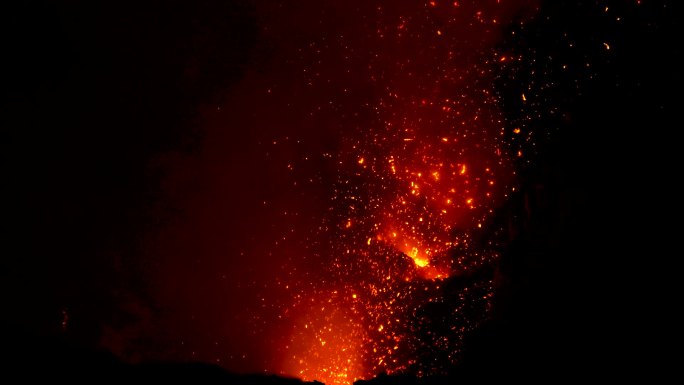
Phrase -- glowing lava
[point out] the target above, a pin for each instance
(418, 260)
(414, 185)
(328, 342)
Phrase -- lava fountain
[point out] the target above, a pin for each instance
(415, 184)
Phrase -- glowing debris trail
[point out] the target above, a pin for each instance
(414, 188)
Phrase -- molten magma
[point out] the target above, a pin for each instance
(420, 261)
(416, 183)
(329, 343)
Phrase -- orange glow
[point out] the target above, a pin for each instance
(419, 261)
(329, 345)
(406, 218)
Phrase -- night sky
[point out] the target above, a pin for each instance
(331, 190)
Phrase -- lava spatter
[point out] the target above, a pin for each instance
(416, 182)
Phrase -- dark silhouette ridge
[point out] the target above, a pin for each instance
(42, 359)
